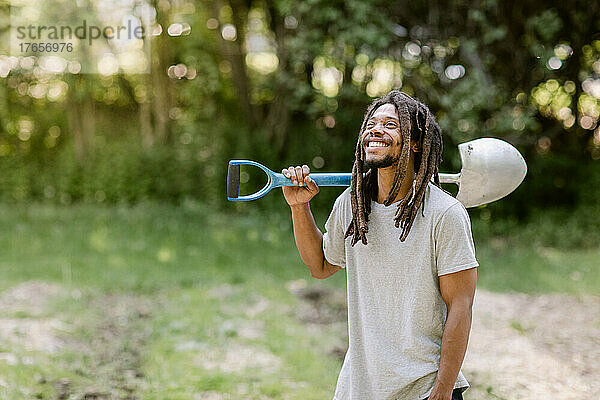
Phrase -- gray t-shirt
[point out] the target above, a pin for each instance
(396, 314)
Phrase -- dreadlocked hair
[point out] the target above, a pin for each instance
(416, 123)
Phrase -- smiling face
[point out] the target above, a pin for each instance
(382, 138)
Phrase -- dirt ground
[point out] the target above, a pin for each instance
(521, 346)
(108, 346)
(534, 347)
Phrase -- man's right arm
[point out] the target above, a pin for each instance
(309, 241)
(309, 238)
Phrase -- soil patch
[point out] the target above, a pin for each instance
(30, 298)
(113, 351)
(106, 341)
(24, 321)
(534, 346)
(521, 346)
(238, 357)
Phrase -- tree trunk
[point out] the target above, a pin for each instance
(145, 115)
(233, 51)
(81, 117)
(160, 90)
(279, 113)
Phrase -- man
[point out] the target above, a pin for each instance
(411, 284)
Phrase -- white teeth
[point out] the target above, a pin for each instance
(377, 144)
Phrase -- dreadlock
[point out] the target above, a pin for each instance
(416, 123)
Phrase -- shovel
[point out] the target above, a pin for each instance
(491, 169)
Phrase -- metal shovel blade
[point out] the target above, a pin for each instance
(491, 169)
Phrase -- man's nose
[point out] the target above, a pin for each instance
(375, 130)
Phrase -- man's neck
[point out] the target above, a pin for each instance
(385, 179)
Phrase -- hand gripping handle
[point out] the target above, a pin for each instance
(275, 180)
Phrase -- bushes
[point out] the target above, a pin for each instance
(117, 172)
(122, 171)
(558, 227)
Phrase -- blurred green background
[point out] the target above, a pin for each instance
(112, 185)
(288, 83)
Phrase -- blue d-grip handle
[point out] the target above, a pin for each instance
(275, 180)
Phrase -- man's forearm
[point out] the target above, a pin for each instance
(309, 238)
(454, 346)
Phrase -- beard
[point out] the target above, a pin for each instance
(384, 162)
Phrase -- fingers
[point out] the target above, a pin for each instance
(312, 185)
(300, 176)
(297, 174)
(305, 170)
(290, 172)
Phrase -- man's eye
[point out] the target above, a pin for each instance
(391, 125)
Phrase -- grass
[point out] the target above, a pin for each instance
(518, 267)
(164, 301)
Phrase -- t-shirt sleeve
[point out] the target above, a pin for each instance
(454, 247)
(333, 238)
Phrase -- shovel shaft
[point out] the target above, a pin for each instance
(343, 179)
(275, 180)
(450, 178)
(321, 179)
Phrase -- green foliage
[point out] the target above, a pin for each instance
(547, 24)
(119, 172)
(127, 138)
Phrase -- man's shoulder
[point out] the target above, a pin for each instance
(342, 207)
(343, 198)
(438, 201)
